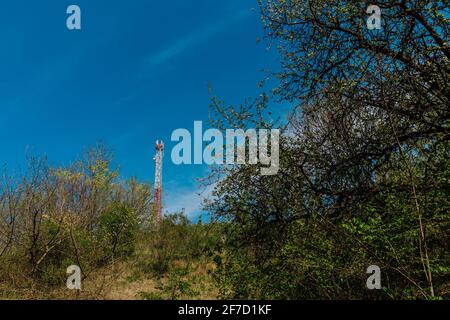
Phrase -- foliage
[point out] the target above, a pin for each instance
(119, 227)
(364, 175)
(80, 215)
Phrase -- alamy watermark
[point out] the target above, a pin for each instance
(73, 22)
(374, 280)
(235, 148)
(74, 280)
(374, 21)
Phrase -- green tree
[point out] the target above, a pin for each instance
(364, 158)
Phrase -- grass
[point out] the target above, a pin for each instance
(120, 281)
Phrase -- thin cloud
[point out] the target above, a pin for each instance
(185, 43)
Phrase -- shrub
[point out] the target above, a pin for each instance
(118, 228)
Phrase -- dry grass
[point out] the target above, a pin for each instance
(122, 281)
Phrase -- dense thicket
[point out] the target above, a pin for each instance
(364, 175)
(85, 215)
(80, 215)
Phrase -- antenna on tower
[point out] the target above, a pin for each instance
(158, 180)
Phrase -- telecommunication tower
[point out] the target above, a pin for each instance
(158, 180)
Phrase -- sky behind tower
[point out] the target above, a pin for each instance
(136, 71)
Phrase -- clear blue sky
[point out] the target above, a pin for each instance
(137, 70)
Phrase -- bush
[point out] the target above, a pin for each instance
(119, 227)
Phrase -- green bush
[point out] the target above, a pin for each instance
(119, 227)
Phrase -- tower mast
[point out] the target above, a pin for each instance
(158, 180)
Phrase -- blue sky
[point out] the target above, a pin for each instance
(136, 71)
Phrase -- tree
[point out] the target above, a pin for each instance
(364, 167)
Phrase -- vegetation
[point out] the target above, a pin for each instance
(364, 180)
(364, 175)
(84, 215)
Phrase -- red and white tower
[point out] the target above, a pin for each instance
(158, 180)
